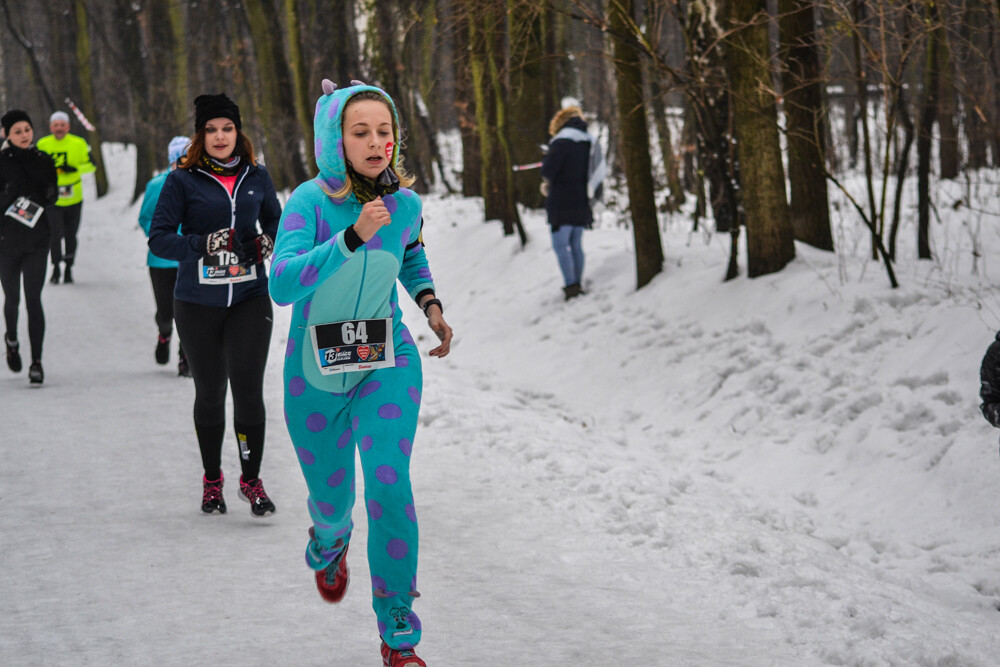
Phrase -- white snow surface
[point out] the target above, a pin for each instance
(787, 470)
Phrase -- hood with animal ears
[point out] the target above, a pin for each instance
(327, 126)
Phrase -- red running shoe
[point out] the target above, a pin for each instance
(403, 657)
(332, 581)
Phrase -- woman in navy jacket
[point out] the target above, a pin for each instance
(222, 308)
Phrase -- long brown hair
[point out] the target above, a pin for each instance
(196, 149)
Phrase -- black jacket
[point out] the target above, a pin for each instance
(25, 172)
(199, 204)
(565, 168)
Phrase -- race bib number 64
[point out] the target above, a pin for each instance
(353, 345)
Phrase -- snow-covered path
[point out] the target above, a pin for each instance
(785, 471)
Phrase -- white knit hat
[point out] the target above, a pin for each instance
(177, 148)
(59, 115)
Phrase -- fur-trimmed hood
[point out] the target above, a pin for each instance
(327, 126)
(561, 117)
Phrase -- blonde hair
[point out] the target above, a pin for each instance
(405, 179)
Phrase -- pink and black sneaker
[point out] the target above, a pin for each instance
(253, 492)
(211, 498)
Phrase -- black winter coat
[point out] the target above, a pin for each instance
(199, 204)
(565, 168)
(25, 172)
(989, 374)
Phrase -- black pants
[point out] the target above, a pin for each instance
(65, 223)
(228, 346)
(163, 281)
(31, 265)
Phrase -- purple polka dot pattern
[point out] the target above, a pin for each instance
(424, 272)
(407, 338)
(309, 275)
(296, 386)
(374, 510)
(300, 252)
(318, 147)
(405, 446)
(378, 582)
(305, 456)
(404, 239)
(334, 183)
(323, 232)
(386, 474)
(340, 148)
(369, 388)
(406, 192)
(306, 307)
(354, 423)
(334, 108)
(315, 422)
(390, 204)
(342, 532)
(278, 268)
(290, 347)
(337, 478)
(390, 411)
(293, 222)
(414, 394)
(345, 439)
(411, 512)
(402, 362)
(366, 443)
(397, 549)
(326, 509)
(374, 243)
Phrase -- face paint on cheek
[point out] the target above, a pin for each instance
(388, 150)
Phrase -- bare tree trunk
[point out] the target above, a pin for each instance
(770, 243)
(635, 146)
(925, 128)
(303, 101)
(802, 87)
(83, 59)
(465, 103)
(949, 153)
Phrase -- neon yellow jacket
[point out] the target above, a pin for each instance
(72, 157)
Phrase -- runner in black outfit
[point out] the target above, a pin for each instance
(221, 304)
(27, 180)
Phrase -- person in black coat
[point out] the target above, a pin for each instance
(989, 390)
(27, 186)
(565, 173)
(222, 307)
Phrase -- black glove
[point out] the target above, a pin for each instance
(67, 169)
(256, 251)
(217, 242)
(992, 413)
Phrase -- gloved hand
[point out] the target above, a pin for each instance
(258, 251)
(544, 188)
(216, 242)
(67, 169)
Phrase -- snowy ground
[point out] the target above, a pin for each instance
(790, 470)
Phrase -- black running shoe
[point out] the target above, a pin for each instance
(68, 275)
(162, 348)
(253, 492)
(183, 369)
(35, 373)
(13, 354)
(55, 275)
(211, 499)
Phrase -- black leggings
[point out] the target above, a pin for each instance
(65, 222)
(163, 292)
(31, 265)
(227, 345)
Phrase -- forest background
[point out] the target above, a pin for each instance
(754, 109)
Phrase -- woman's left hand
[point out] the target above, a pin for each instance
(442, 330)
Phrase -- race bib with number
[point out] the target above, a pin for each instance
(224, 269)
(353, 345)
(25, 211)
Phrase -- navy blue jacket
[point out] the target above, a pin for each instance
(565, 166)
(199, 204)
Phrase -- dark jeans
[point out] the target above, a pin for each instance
(31, 265)
(65, 223)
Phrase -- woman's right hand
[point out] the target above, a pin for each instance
(374, 215)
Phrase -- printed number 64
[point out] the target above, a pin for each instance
(352, 334)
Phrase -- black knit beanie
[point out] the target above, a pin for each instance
(11, 117)
(207, 107)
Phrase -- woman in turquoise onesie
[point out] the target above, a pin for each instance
(352, 372)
